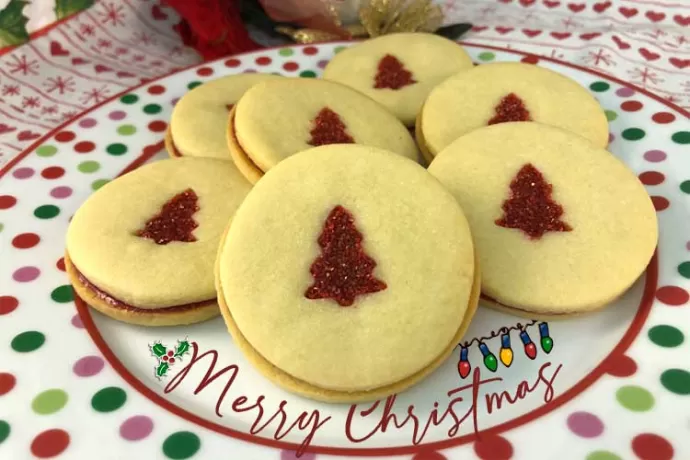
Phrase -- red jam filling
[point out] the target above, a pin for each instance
(175, 221)
(530, 207)
(511, 108)
(392, 74)
(328, 128)
(343, 271)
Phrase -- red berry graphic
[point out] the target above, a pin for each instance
(171, 360)
(170, 353)
(165, 358)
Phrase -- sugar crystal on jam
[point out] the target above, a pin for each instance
(392, 74)
(328, 128)
(175, 221)
(511, 108)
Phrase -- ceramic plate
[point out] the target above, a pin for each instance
(75, 384)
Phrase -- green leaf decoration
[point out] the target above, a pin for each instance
(162, 369)
(158, 349)
(64, 8)
(13, 24)
(182, 348)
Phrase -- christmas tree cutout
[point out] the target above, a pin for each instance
(175, 221)
(530, 207)
(343, 270)
(392, 74)
(511, 108)
(328, 128)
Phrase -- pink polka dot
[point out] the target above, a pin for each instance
(23, 173)
(76, 322)
(655, 156)
(88, 366)
(61, 192)
(585, 424)
(322, 64)
(624, 92)
(249, 71)
(611, 137)
(88, 123)
(136, 428)
(26, 274)
(174, 101)
(117, 115)
(687, 245)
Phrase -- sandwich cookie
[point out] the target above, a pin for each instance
(200, 118)
(508, 91)
(348, 274)
(398, 70)
(562, 227)
(278, 118)
(142, 248)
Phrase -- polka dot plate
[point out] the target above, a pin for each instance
(75, 384)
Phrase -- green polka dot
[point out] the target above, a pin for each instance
(307, 74)
(635, 398)
(116, 149)
(108, 399)
(633, 134)
(46, 151)
(684, 269)
(129, 98)
(286, 52)
(602, 455)
(681, 137)
(152, 109)
(95, 185)
(4, 430)
(487, 56)
(338, 49)
(599, 86)
(47, 211)
(666, 336)
(89, 167)
(62, 294)
(1, 227)
(676, 381)
(181, 445)
(126, 130)
(194, 84)
(49, 402)
(685, 186)
(28, 341)
(611, 115)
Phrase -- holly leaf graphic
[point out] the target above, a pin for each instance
(162, 369)
(158, 349)
(13, 24)
(64, 8)
(182, 348)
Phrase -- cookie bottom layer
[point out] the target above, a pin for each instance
(245, 164)
(419, 138)
(294, 385)
(170, 145)
(170, 316)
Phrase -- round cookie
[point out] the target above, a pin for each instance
(312, 113)
(398, 70)
(561, 226)
(330, 283)
(507, 91)
(200, 118)
(142, 248)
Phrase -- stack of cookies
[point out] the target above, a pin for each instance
(339, 224)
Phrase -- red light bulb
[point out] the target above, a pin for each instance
(530, 348)
(464, 366)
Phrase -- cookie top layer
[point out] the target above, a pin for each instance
(348, 267)
(200, 118)
(171, 263)
(561, 226)
(509, 91)
(276, 119)
(398, 70)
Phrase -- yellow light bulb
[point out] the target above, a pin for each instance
(506, 356)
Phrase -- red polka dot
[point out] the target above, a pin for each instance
(7, 382)
(263, 60)
(232, 63)
(25, 240)
(648, 446)
(621, 366)
(204, 71)
(663, 117)
(61, 264)
(7, 201)
(65, 136)
(50, 443)
(158, 126)
(53, 172)
(672, 295)
(493, 448)
(310, 50)
(651, 178)
(156, 89)
(290, 66)
(429, 455)
(531, 59)
(631, 106)
(84, 146)
(8, 304)
(660, 203)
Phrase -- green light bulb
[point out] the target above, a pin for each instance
(547, 344)
(490, 362)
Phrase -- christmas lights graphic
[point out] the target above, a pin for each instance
(506, 355)
(167, 358)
